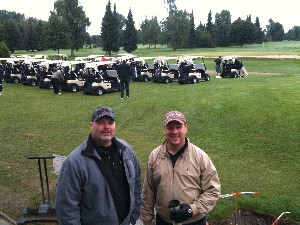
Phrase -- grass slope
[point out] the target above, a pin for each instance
(249, 127)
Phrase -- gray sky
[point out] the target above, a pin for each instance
(285, 12)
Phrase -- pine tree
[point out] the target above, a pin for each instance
(130, 37)
(192, 38)
(109, 31)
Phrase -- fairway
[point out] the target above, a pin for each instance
(249, 127)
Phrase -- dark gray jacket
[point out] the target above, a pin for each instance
(58, 75)
(123, 71)
(83, 196)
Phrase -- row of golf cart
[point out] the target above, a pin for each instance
(184, 71)
(98, 77)
(94, 78)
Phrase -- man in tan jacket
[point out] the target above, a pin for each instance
(178, 170)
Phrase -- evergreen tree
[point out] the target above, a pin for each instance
(40, 35)
(130, 37)
(248, 18)
(12, 35)
(259, 34)
(200, 30)
(209, 24)
(30, 40)
(192, 43)
(106, 32)
(116, 29)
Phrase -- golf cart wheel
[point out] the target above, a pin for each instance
(207, 78)
(234, 75)
(194, 80)
(16, 80)
(74, 88)
(145, 78)
(50, 86)
(33, 83)
(99, 92)
(167, 80)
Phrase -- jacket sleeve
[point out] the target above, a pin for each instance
(137, 192)
(210, 184)
(68, 194)
(148, 195)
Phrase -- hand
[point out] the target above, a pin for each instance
(183, 213)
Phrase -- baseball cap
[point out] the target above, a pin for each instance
(174, 116)
(101, 112)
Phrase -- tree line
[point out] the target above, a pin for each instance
(67, 24)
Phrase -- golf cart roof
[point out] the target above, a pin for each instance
(33, 60)
(127, 55)
(230, 57)
(166, 57)
(94, 64)
(6, 59)
(69, 63)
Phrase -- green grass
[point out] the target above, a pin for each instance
(249, 127)
(267, 48)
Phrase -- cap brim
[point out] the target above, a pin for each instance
(177, 120)
(101, 116)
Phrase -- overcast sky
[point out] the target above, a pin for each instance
(285, 12)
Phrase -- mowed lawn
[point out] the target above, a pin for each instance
(249, 127)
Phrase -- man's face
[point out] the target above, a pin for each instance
(175, 133)
(103, 130)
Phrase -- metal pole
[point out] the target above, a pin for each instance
(41, 178)
(46, 175)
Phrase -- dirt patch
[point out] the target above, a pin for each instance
(11, 202)
(252, 217)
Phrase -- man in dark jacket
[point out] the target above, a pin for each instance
(100, 181)
(124, 77)
(218, 65)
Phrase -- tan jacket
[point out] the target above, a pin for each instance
(194, 180)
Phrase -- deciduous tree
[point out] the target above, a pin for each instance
(74, 16)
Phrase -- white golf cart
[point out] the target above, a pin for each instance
(191, 73)
(74, 75)
(232, 67)
(98, 82)
(163, 71)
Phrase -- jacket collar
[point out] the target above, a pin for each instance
(163, 150)
(89, 149)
